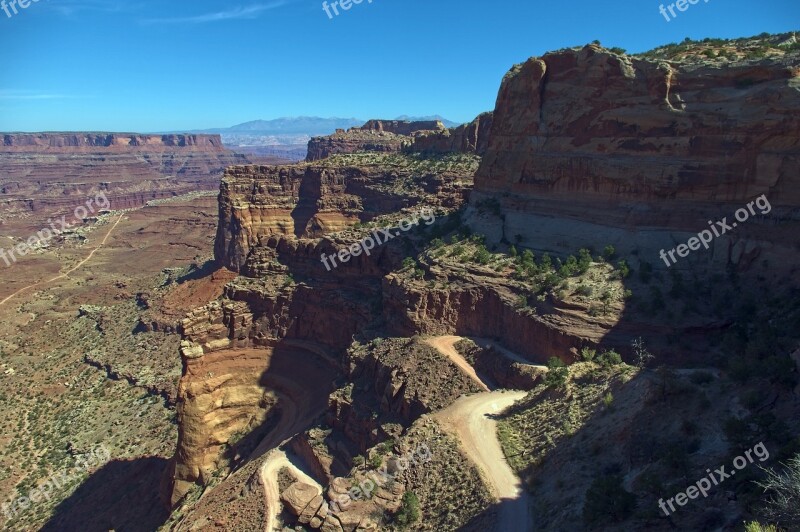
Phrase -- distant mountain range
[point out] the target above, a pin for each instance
(304, 125)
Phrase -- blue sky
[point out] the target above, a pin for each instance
(155, 65)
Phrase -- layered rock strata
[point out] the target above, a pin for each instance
(312, 200)
(60, 170)
(590, 146)
(375, 136)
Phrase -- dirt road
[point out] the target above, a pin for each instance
(468, 421)
(66, 273)
(276, 460)
(444, 344)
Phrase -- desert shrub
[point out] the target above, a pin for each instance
(607, 501)
(783, 505)
(409, 511)
(609, 358)
(557, 374)
(609, 252)
(641, 354)
(409, 262)
(482, 255)
(584, 290)
(588, 354)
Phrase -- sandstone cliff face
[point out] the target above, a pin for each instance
(620, 149)
(466, 138)
(312, 200)
(61, 169)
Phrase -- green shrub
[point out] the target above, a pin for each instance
(584, 290)
(482, 255)
(409, 262)
(608, 399)
(609, 252)
(624, 269)
(757, 527)
(609, 358)
(584, 260)
(409, 511)
(557, 373)
(588, 354)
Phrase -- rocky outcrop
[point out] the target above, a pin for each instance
(61, 169)
(355, 141)
(403, 127)
(375, 136)
(589, 146)
(466, 138)
(314, 199)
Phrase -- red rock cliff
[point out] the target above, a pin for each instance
(588, 146)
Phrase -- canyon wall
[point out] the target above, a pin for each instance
(60, 170)
(589, 146)
(312, 200)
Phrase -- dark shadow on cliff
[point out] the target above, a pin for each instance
(302, 381)
(123, 495)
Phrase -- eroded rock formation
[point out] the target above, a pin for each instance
(590, 146)
(466, 138)
(375, 136)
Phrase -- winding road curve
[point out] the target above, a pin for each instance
(468, 420)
